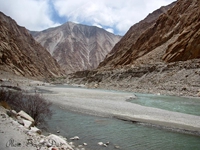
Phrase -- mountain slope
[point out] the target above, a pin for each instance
(77, 47)
(130, 38)
(164, 58)
(173, 37)
(21, 54)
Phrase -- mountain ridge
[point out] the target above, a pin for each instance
(167, 40)
(21, 54)
(130, 38)
(77, 47)
(164, 58)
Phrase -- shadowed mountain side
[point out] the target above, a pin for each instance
(164, 58)
(174, 37)
(130, 38)
(21, 54)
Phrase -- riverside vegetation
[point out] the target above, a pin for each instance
(36, 106)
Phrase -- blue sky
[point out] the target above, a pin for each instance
(115, 16)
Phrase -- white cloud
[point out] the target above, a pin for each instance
(118, 14)
(114, 15)
(33, 14)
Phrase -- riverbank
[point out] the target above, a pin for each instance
(108, 104)
(176, 78)
(115, 104)
(17, 132)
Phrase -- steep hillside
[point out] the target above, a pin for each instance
(21, 54)
(77, 47)
(134, 32)
(174, 37)
(164, 58)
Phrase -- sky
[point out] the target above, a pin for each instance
(115, 16)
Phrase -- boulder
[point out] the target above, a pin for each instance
(96, 85)
(19, 120)
(3, 115)
(105, 145)
(25, 116)
(55, 140)
(14, 112)
(42, 141)
(84, 144)
(198, 94)
(27, 123)
(35, 130)
(53, 148)
(117, 147)
(75, 138)
(100, 143)
(131, 97)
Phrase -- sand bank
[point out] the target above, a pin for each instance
(114, 104)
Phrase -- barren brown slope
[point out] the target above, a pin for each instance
(77, 47)
(21, 54)
(133, 34)
(174, 37)
(152, 64)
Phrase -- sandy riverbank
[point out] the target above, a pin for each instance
(95, 102)
(114, 104)
(17, 133)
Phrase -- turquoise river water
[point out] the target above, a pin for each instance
(127, 135)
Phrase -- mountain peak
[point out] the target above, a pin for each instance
(70, 25)
(77, 47)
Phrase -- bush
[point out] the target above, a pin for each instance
(34, 105)
(37, 107)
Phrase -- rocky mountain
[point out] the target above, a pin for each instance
(77, 47)
(21, 54)
(173, 37)
(135, 31)
(163, 58)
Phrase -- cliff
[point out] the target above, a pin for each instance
(173, 37)
(161, 58)
(21, 54)
(133, 34)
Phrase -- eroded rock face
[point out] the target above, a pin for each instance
(77, 47)
(173, 37)
(123, 47)
(187, 45)
(21, 54)
(164, 58)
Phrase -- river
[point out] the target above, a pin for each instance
(127, 135)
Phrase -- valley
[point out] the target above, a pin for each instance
(97, 79)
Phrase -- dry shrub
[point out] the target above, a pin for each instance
(37, 107)
(34, 105)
